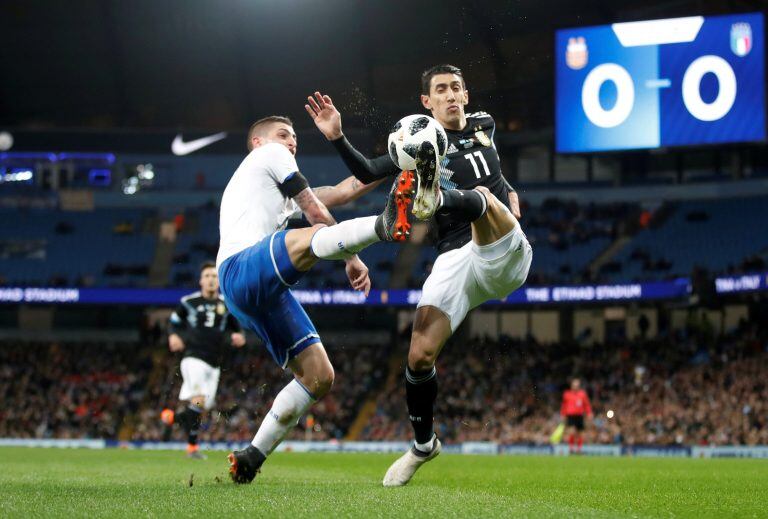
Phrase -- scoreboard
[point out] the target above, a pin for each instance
(671, 82)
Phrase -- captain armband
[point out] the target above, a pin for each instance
(293, 185)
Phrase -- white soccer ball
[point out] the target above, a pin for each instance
(408, 134)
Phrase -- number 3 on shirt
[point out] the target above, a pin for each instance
(210, 318)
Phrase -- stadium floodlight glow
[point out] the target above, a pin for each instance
(145, 172)
(6, 141)
(18, 175)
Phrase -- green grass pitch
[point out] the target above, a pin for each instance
(80, 483)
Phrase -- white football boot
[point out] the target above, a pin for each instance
(428, 181)
(402, 470)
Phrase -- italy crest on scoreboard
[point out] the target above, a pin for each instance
(741, 39)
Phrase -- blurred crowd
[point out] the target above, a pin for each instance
(249, 382)
(687, 387)
(69, 390)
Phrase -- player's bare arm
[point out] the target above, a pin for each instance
(175, 343)
(325, 115)
(514, 204)
(316, 212)
(346, 191)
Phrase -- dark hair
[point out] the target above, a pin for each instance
(207, 265)
(258, 126)
(427, 75)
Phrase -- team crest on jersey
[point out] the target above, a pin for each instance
(483, 138)
(221, 309)
(741, 39)
(576, 53)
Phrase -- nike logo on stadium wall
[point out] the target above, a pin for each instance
(180, 148)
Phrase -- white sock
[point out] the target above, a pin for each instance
(289, 405)
(345, 238)
(426, 447)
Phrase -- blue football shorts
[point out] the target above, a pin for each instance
(256, 285)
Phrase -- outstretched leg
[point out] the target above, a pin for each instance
(313, 379)
(339, 241)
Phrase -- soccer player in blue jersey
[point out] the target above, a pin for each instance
(258, 262)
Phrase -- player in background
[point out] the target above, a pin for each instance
(575, 406)
(483, 253)
(199, 328)
(258, 262)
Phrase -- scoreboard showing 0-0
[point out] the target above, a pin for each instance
(679, 81)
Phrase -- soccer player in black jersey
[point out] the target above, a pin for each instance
(484, 254)
(199, 327)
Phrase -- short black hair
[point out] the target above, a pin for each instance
(259, 125)
(207, 265)
(427, 75)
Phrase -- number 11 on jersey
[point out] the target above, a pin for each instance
(471, 159)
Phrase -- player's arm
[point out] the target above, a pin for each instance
(176, 324)
(233, 325)
(292, 184)
(514, 200)
(316, 212)
(313, 208)
(588, 407)
(328, 120)
(346, 191)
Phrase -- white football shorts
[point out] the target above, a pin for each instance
(199, 379)
(467, 277)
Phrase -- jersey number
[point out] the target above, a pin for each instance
(210, 318)
(471, 159)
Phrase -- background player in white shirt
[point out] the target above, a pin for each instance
(258, 261)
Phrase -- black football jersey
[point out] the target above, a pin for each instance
(204, 325)
(471, 160)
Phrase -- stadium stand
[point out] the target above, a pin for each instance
(687, 388)
(103, 247)
(690, 387)
(74, 390)
(723, 235)
(250, 381)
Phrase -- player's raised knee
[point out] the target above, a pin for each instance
(324, 384)
(493, 203)
(422, 354)
(320, 383)
(317, 227)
